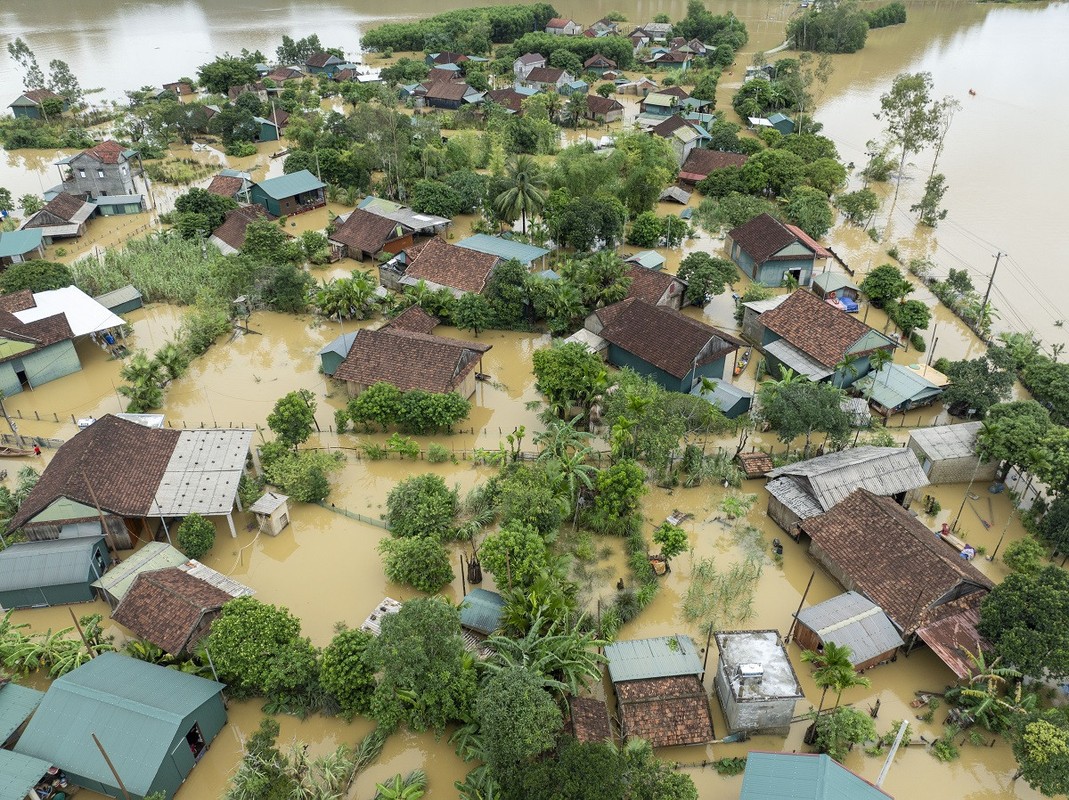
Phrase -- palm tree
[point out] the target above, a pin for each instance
(834, 670)
(411, 787)
(577, 107)
(848, 364)
(525, 194)
(878, 359)
(172, 360)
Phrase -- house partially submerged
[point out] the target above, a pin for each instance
(171, 609)
(896, 388)
(659, 692)
(51, 573)
(523, 65)
(673, 350)
(731, 400)
(682, 134)
(506, 249)
(803, 776)
(31, 103)
(701, 162)
(122, 300)
(361, 234)
(873, 546)
(809, 488)
(480, 617)
(229, 237)
(849, 620)
(122, 475)
(36, 351)
(62, 217)
(450, 94)
(409, 359)
(648, 259)
(19, 246)
(768, 251)
(603, 109)
(655, 287)
(421, 224)
(547, 78)
(155, 724)
(289, 194)
(755, 682)
(562, 26)
(817, 341)
(442, 265)
(103, 170)
(588, 720)
(836, 286)
(947, 453)
(17, 704)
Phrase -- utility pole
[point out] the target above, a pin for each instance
(987, 294)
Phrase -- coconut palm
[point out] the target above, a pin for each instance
(833, 670)
(847, 365)
(878, 359)
(525, 195)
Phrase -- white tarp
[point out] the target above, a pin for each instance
(84, 314)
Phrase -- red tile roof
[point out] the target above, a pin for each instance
(225, 185)
(170, 608)
(650, 285)
(413, 319)
(64, 206)
(321, 59)
(589, 720)
(40, 95)
(232, 231)
(818, 329)
(544, 75)
(755, 464)
(409, 360)
(665, 711)
(509, 98)
(559, 22)
(17, 301)
(809, 241)
(115, 463)
(762, 237)
(40, 333)
(954, 636)
(446, 57)
(662, 337)
(598, 60)
(109, 152)
(598, 106)
(447, 90)
(180, 88)
(365, 232)
(889, 556)
(455, 267)
(701, 162)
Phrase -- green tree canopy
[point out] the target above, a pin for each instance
(569, 375)
(885, 285)
(421, 506)
(1023, 618)
(421, 562)
(515, 555)
(196, 535)
(1041, 747)
(293, 417)
(705, 276)
(518, 719)
(1013, 433)
(224, 72)
(36, 275)
(800, 407)
(345, 672)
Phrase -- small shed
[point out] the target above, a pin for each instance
(755, 682)
(52, 572)
(730, 399)
(756, 464)
(650, 259)
(156, 724)
(480, 617)
(588, 720)
(782, 123)
(675, 195)
(272, 513)
(659, 692)
(753, 330)
(833, 285)
(290, 194)
(850, 620)
(331, 356)
(19, 775)
(948, 453)
(803, 776)
(895, 388)
(121, 301)
(17, 704)
(19, 246)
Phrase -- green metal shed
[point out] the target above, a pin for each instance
(481, 611)
(155, 724)
(661, 657)
(803, 776)
(19, 774)
(121, 301)
(331, 356)
(51, 572)
(782, 123)
(289, 194)
(17, 704)
(150, 556)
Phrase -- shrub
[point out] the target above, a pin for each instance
(241, 149)
(196, 535)
(420, 562)
(421, 506)
(439, 454)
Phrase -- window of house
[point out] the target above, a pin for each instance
(81, 173)
(100, 173)
(124, 170)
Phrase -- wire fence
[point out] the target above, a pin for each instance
(378, 523)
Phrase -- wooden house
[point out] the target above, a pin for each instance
(849, 620)
(290, 194)
(755, 682)
(673, 350)
(812, 487)
(51, 573)
(896, 388)
(156, 722)
(62, 217)
(659, 692)
(768, 251)
(361, 234)
(948, 454)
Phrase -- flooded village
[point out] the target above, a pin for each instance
(509, 403)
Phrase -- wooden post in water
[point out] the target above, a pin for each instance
(794, 621)
(463, 579)
(78, 628)
(891, 754)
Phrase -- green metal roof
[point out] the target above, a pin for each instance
(341, 345)
(16, 705)
(288, 185)
(19, 774)
(64, 508)
(118, 297)
(56, 562)
(503, 248)
(481, 611)
(650, 259)
(833, 282)
(803, 776)
(153, 555)
(895, 385)
(662, 657)
(17, 243)
(135, 708)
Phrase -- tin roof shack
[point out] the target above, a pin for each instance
(659, 691)
(480, 617)
(755, 682)
(671, 349)
(853, 621)
(154, 722)
(51, 573)
(155, 556)
(170, 608)
(873, 546)
(19, 246)
(588, 720)
(289, 194)
(948, 453)
(732, 401)
(128, 474)
(20, 775)
(121, 301)
(834, 286)
(803, 776)
(272, 513)
(896, 389)
(17, 704)
(808, 488)
(31, 104)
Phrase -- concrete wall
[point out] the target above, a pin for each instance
(954, 470)
(752, 328)
(771, 716)
(95, 178)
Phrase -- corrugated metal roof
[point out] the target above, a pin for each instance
(895, 385)
(16, 243)
(833, 282)
(652, 658)
(794, 496)
(373, 623)
(853, 621)
(116, 298)
(793, 358)
(55, 562)
(268, 503)
(831, 477)
(134, 707)
(402, 214)
(203, 472)
(288, 185)
(947, 441)
(17, 703)
(761, 306)
(341, 345)
(724, 395)
(803, 776)
(216, 579)
(19, 774)
(650, 259)
(152, 555)
(503, 248)
(481, 611)
(118, 199)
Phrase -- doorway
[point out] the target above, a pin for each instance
(24, 381)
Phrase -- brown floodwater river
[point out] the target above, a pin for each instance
(325, 567)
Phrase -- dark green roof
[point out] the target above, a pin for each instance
(17, 703)
(288, 185)
(803, 776)
(481, 611)
(134, 707)
(55, 562)
(19, 774)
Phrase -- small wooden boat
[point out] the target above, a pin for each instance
(285, 151)
(743, 362)
(12, 452)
